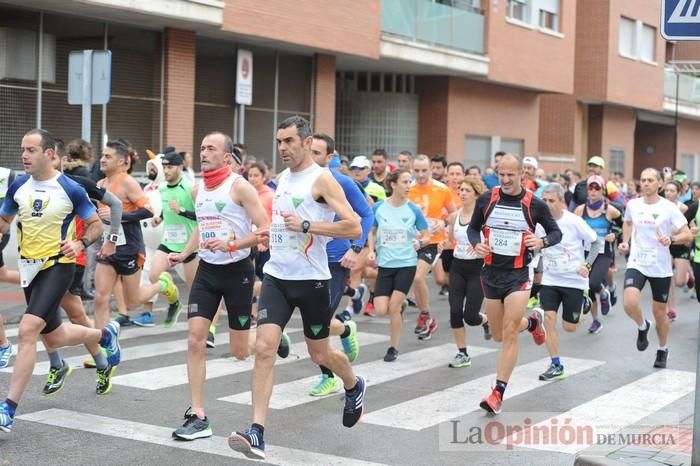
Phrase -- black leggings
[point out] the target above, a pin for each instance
(465, 285)
(598, 273)
(696, 272)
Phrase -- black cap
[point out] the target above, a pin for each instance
(172, 158)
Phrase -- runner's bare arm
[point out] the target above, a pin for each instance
(248, 197)
(348, 226)
(135, 194)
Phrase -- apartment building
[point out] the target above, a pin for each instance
(559, 79)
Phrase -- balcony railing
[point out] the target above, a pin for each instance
(436, 23)
(688, 86)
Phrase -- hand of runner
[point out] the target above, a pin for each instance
(623, 247)
(108, 249)
(582, 270)
(174, 206)
(482, 250)
(610, 237)
(694, 230)
(155, 221)
(263, 237)
(292, 222)
(175, 258)
(71, 249)
(104, 213)
(416, 244)
(216, 244)
(372, 259)
(349, 260)
(664, 240)
(532, 241)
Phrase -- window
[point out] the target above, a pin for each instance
(616, 161)
(647, 47)
(690, 164)
(512, 146)
(628, 47)
(477, 151)
(549, 14)
(518, 9)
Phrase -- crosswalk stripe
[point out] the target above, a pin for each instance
(171, 376)
(622, 407)
(459, 400)
(136, 352)
(296, 393)
(158, 435)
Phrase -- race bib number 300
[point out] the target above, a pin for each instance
(505, 242)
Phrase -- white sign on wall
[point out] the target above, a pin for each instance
(244, 77)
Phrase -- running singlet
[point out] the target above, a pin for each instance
(463, 248)
(650, 221)
(177, 229)
(221, 218)
(561, 260)
(434, 200)
(130, 242)
(397, 227)
(298, 256)
(46, 210)
(337, 247)
(504, 220)
(602, 227)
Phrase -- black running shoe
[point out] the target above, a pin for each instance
(249, 442)
(553, 372)
(56, 379)
(104, 380)
(391, 354)
(487, 331)
(211, 340)
(193, 428)
(354, 403)
(285, 344)
(661, 359)
(642, 341)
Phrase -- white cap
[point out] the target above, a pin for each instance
(360, 162)
(530, 161)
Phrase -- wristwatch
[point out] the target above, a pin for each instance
(305, 226)
(113, 238)
(85, 242)
(356, 249)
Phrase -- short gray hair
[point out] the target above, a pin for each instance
(555, 188)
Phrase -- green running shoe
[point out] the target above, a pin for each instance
(325, 386)
(351, 346)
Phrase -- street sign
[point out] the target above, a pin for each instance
(101, 71)
(680, 19)
(244, 77)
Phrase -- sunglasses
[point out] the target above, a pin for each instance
(594, 187)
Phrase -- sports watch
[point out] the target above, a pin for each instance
(305, 226)
(113, 238)
(356, 249)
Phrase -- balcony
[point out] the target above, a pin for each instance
(688, 87)
(459, 27)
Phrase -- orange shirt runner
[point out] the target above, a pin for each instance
(435, 201)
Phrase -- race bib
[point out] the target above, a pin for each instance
(505, 242)
(557, 262)
(283, 240)
(465, 251)
(175, 234)
(394, 238)
(215, 228)
(28, 269)
(121, 241)
(646, 256)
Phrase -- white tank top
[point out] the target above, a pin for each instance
(463, 249)
(298, 256)
(219, 217)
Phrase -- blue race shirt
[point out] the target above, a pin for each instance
(336, 248)
(397, 227)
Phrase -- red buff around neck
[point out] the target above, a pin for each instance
(214, 178)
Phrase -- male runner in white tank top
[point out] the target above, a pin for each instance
(297, 275)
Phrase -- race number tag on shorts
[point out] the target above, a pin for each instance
(505, 242)
(121, 240)
(175, 234)
(215, 228)
(394, 237)
(557, 262)
(465, 251)
(646, 256)
(28, 269)
(283, 240)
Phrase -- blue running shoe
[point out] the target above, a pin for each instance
(604, 301)
(6, 419)
(114, 350)
(249, 442)
(6, 353)
(354, 403)
(145, 320)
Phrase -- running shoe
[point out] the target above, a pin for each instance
(411, 301)
(487, 331)
(671, 314)
(604, 301)
(173, 314)
(553, 372)
(539, 334)
(343, 316)
(422, 323)
(193, 428)
(168, 288)
(6, 353)
(493, 402)
(354, 403)
(6, 419)
(642, 341)
(357, 303)
(351, 346)
(595, 327)
(391, 354)
(249, 442)
(285, 344)
(211, 343)
(325, 386)
(533, 302)
(369, 309)
(145, 320)
(114, 351)
(122, 319)
(432, 328)
(104, 380)
(661, 359)
(613, 294)
(444, 290)
(460, 360)
(586, 304)
(56, 379)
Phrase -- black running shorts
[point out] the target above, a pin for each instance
(571, 300)
(394, 279)
(45, 293)
(660, 286)
(499, 283)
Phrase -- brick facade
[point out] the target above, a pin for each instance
(324, 94)
(433, 92)
(178, 116)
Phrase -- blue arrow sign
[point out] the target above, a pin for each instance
(680, 19)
